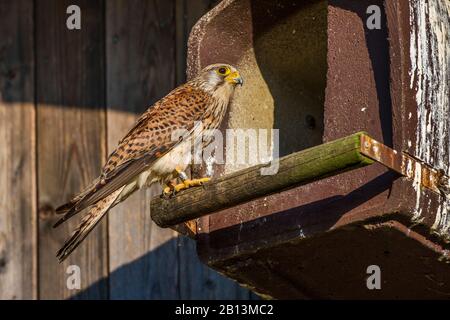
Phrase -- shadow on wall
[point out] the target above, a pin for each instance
(290, 46)
(150, 277)
(290, 43)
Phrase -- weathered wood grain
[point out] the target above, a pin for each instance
(294, 169)
(18, 246)
(140, 70)
(70, 88)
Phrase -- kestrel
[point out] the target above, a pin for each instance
(148, 153)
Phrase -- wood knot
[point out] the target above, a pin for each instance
(46, 211)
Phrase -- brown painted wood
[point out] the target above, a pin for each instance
(362, 107)
(18, 251)
(140, 70)
(368, 88)
(71, 139)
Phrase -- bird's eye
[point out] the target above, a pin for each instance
(223, 71)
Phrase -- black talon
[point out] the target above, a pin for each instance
(164, 196)
(167, 196)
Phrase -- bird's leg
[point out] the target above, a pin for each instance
(168, 191)
(187, 183)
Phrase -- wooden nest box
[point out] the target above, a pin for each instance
(343, 200)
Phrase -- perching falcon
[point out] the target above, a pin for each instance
(149, 153)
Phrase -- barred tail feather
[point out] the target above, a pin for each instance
(95, 214)
(72, 203)
(65, 207)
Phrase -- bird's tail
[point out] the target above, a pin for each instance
(95, 214)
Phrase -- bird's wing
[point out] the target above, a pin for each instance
(149, 139)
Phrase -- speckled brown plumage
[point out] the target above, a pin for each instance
(142, 155)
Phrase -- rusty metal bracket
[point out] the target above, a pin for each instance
(404, 164)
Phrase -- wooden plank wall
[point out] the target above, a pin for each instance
(18, 245)
(71, 133)
(66, 98)
(141, 68)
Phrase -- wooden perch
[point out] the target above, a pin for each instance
(241, 186)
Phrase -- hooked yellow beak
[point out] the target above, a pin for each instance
(234, 78)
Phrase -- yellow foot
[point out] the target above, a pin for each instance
(190, 183)
(171, 190)
(167, 192)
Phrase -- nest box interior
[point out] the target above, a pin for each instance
(286, 71)
(280, 49)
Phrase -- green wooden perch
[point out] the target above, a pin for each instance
(295, 169)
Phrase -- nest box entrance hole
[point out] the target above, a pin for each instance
(280, 49)
(285, 73)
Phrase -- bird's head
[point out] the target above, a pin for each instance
(220, 77)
